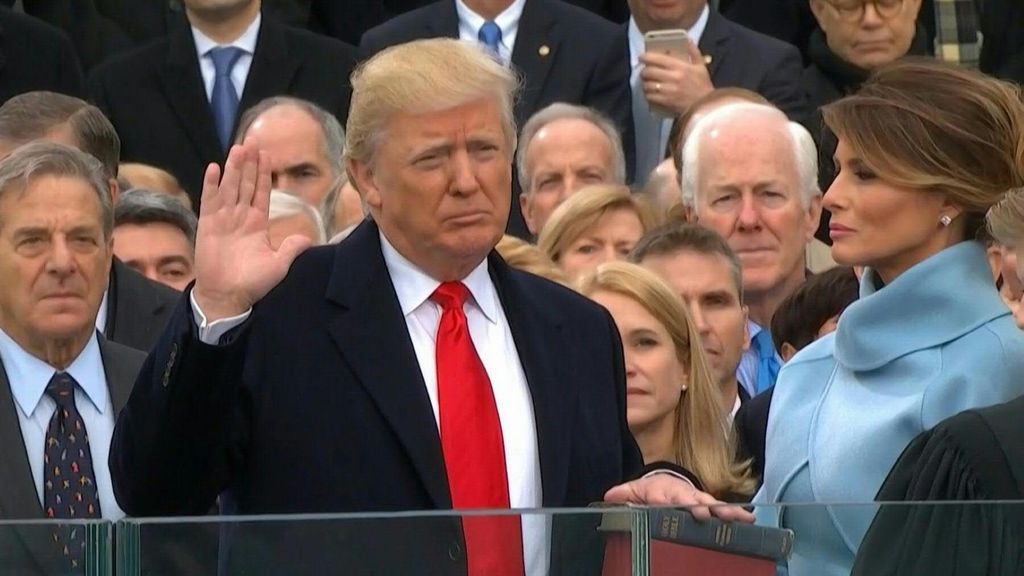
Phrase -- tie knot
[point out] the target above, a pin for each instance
(490, 35)
(450, 295)
(62, 389)
(765, 346)
(224, 58)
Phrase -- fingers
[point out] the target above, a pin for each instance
(247, 180)
(210, 200)
(261, 196)
(290, 249)
(694, 52)
(622, 494)
(232, 176)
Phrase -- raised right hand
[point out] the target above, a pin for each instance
(235, 263)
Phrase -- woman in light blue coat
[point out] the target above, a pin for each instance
(924, 150)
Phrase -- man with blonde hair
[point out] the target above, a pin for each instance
(407, 368)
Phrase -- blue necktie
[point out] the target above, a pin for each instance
(490, 35)
(224, 100)
(767, 363)
(646, 133)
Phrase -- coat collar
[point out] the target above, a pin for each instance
(384, 361)
(945, 297)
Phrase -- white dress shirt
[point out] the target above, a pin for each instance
(492, 338)
(101, 316)
(470, 23)
(239, 74)
(28, 377)
(636, 48)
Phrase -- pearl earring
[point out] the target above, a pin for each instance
(945, 220)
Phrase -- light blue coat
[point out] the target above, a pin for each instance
(936, 341)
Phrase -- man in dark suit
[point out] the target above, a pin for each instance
(564, 53)
(720, 54)
(35, 56)
(175, 110)
(57, 374)
(135, 309)
(323, 388)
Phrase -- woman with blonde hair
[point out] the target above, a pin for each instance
(672, 405)
(522, 255)
(597, 224)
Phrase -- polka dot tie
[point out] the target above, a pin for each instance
(69, 485)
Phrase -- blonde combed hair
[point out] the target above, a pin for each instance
(700, 443)
(584, 209)
(1006, 219)
(421, 77)
(522, 255)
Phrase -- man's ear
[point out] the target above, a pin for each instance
(526, 207)
(115, 190)
(787, 352)
(363, 179)
(813, 217)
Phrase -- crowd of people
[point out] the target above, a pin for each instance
(492, 254)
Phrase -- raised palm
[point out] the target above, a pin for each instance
(235, 264)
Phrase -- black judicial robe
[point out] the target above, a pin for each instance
(977, 455)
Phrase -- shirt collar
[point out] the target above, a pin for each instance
(413, 286)
(28, 375)
(247, 41)
(507, 20)
(754, 328)
(636, 38)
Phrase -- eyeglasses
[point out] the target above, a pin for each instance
(853, 10)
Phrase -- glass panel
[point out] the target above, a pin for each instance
(45, 547)
(962, 539)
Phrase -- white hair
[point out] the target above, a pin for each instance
(284, 204)
(805, 152)
(562, 111)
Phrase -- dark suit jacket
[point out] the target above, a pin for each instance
(975, 456)
(29, 549)
(751, 424)
(743, 58)
(35, 56)
(788, 20)
(137, 308)
(155, 97)
(317, 404)
(583, 65)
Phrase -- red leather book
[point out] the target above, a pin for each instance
(688, 550)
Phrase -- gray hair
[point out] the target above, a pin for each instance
(38, 159)
(284, 204)
(141, 206)
(563, 111)
(805, 152)
(31, 115)
(330, 128)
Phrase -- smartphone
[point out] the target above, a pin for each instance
(670, 42)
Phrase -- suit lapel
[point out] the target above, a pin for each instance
(714, 42)
(533, 331)
(183, 87)
(18, 496)
(534, 52)
(273, 65)
(444, 22)
(368, 327)
(121, 371)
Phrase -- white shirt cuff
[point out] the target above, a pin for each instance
(210, 333)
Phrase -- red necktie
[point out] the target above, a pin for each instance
(474, 454)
